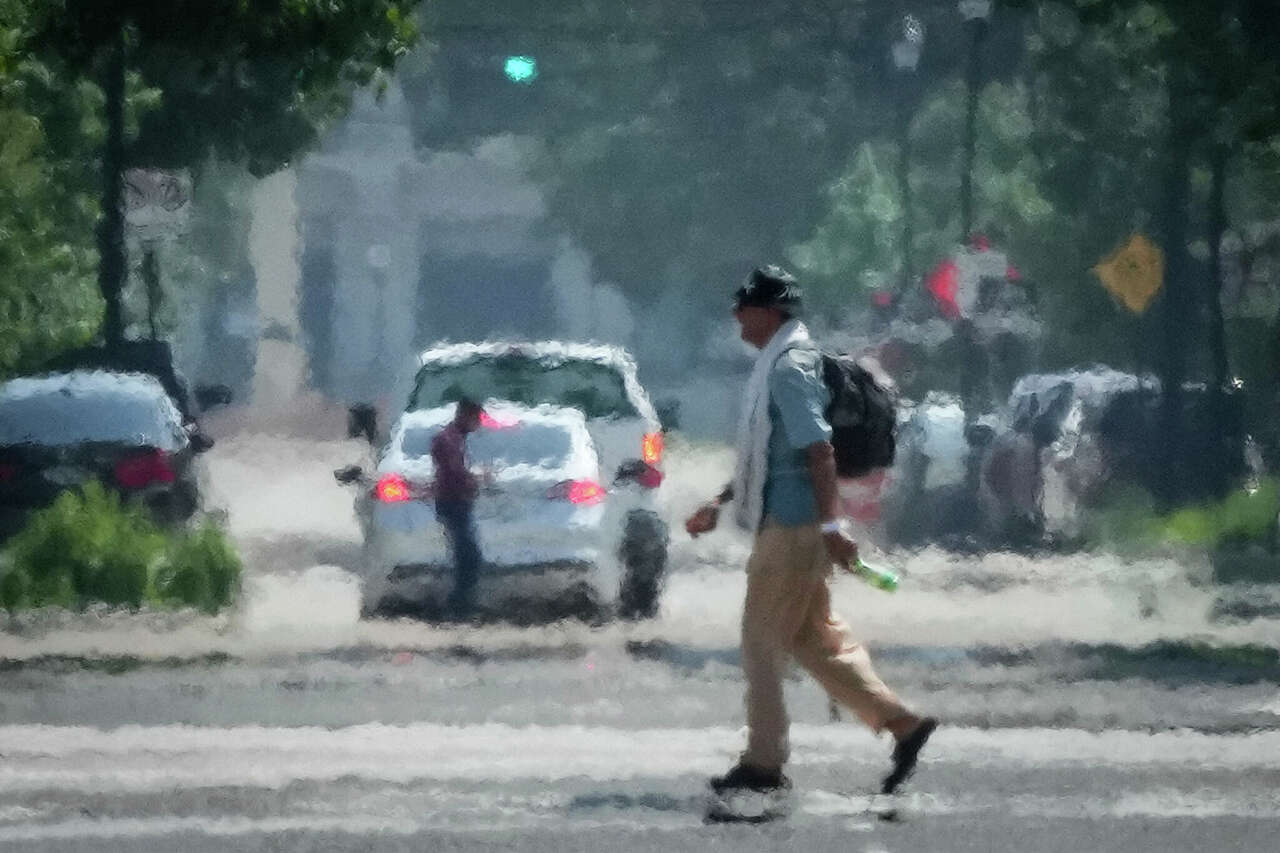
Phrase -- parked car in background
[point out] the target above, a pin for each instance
(1064, 436)
(601, 383)
(59, 431)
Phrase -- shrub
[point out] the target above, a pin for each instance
(1250, 515)
(1125, 518)
(90, 546)
(201, 570)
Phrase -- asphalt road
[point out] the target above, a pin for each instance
(1088, 704)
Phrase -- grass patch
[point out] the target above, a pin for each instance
(1125, 519)
(90, 546)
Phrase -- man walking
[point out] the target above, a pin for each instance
(455, 492)
(785, 493)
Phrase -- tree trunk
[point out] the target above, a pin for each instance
(904, 187)
(111, 248)
(1177, 304)
(1217, 227)
(974, 88)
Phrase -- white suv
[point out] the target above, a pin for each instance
(598, 381)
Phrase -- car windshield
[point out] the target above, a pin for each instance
(595, 389)
(59, 418)
(538, 445)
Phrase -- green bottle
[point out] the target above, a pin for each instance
(877, 576)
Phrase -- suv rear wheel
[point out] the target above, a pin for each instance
(644, 562)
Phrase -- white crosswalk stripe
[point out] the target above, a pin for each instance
(156, 782)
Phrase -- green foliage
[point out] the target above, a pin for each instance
(90, 546)
(858, 246)
(201, 570)
(48, 300)
(1249, 515)
(1243, 516)
(250, 81)
(681, 141)
(1125, 518)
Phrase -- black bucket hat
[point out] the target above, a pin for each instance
(769, 287)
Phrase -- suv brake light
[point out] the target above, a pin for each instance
(143, 469)
(651, 448)
(392, 489)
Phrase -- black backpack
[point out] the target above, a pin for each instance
(862, 414)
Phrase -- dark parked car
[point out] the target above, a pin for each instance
(61, 430)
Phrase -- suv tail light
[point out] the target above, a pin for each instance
(651, 448)
(580, 492)
(144, 469)
(8, 472)
(392, 489)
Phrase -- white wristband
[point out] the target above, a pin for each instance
(832, 526)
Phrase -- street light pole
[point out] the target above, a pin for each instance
(975, 14)
(906, 57)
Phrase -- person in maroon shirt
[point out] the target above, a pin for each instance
(455, 492)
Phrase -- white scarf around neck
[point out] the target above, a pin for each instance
(754, 427)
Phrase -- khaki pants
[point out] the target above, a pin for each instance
(787, 614)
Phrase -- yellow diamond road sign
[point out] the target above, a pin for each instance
(1133, 273)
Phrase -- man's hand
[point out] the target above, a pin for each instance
(704, 520)
(842, 550)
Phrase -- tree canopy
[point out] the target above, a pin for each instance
(165, 83)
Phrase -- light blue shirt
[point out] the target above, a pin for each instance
(797, 399)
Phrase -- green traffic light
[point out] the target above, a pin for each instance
(521, 69)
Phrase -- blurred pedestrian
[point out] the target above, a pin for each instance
(455, 490)
(785, 493)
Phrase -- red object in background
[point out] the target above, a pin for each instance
(860, 498)
(143, 469)
(7, 472)
(578, 492)
(944, 284)
(979, 243)
(650, 478)
(585, 492)
(651, 447)
(882, 299)
(1012, 274)
(488, 421)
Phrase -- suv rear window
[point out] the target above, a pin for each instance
(595, 389)
(540, 445)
